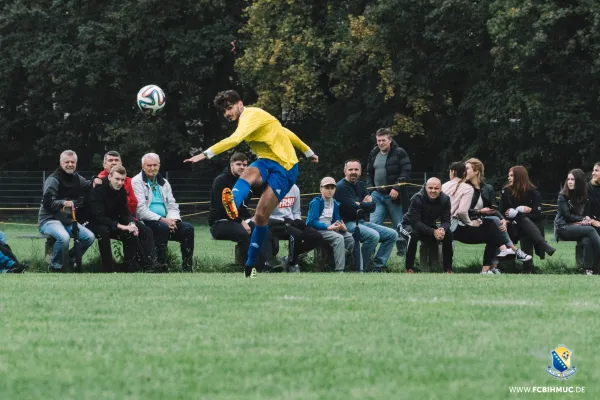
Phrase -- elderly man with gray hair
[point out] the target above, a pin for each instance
(159, 211)
(64, 189)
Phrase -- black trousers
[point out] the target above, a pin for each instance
(447, 250)
(140, 246)
(234, 231)
(305, 238)
(184, 234)
(487, 233)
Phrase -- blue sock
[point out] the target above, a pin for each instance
(256, 243)
(240, 191)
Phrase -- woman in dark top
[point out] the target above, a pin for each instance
(572, 222)
(520, 203)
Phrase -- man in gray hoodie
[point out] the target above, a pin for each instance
(63, 190)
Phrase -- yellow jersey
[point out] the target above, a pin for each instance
(266, 137)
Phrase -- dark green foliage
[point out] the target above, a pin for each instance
(509, 81)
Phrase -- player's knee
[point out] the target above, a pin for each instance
(261, 218)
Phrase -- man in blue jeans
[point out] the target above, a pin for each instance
(63, 190)
(388, 165)
(352, 195)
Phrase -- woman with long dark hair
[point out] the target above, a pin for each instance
(572, 222)
(521, 204)
(470, 231)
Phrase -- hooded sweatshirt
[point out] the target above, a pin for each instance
(424, 212)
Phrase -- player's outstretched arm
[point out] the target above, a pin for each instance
(300, 145)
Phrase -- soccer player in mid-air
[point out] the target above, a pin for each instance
(277, 164)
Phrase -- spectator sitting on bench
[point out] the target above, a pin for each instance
(483, 205)
(352, 195)
(469, 231)
(111, 219)
(286, 221)
(146, 252)
(573, 223)
(324, 216)
(520, 203)
(158, 210)
(238, 230)
(8, 262)
(419, 223)
(63, 189)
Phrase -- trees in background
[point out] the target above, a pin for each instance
(509, 81)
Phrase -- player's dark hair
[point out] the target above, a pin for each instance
(238, 157)
(225, 99)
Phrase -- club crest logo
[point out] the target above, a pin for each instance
(561, 367)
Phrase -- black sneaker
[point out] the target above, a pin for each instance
(17, 268)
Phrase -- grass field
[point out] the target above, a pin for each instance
(218, 256)
(282, 336)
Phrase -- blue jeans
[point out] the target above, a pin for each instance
(370, 235)
(386, 208)
(62, 234)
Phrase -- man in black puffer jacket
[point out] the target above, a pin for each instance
(111, 219)
(388, 165)
(420, 222)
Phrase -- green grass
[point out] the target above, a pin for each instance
(281, 336)
(218, 256)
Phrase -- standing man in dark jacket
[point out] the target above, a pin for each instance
(352, 195)
(420, 223)
(388, 165)
(112, 219)
(63, 190)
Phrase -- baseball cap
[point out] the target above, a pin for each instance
(327, 181)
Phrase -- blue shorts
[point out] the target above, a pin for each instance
(277, 177)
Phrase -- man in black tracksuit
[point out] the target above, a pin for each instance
(223, 228)
(420, 222)
(111, 219)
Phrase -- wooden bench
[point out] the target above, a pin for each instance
(49, 245)
(431, 256)
(324, 261)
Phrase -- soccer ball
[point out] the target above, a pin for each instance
(151, 99)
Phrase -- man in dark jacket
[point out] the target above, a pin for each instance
(352, 195)
(388, 165)
(420, 222)
(238, 230)
(63, 190)
(111, 219)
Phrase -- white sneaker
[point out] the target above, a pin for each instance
(589, 272)
(495, 271)
(487, 272)
(506, 252)
(522, 256)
